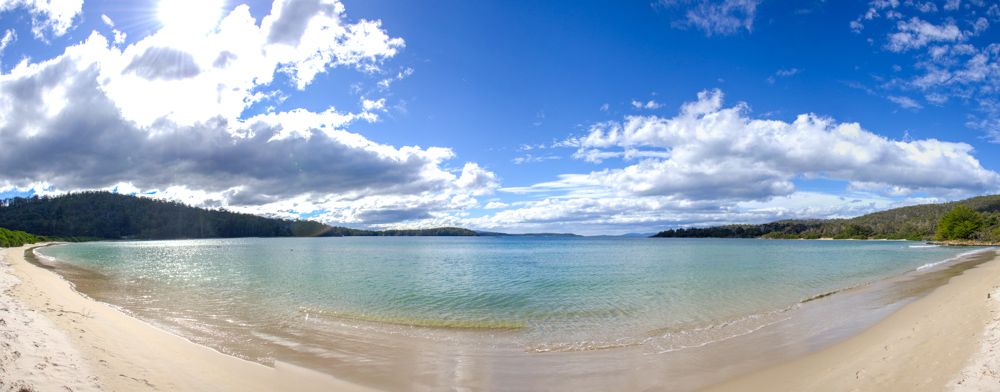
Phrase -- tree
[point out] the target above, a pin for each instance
(960, 223)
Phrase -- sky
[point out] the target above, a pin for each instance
(519, 116)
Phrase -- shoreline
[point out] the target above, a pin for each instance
(106, 338)
(118, 352)
(937, 342)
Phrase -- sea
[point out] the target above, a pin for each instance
(511, 313)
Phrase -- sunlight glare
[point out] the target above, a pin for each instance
(194, 16)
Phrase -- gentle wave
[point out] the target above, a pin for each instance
(591, 345)
(417, 322)
(672, 339)
(725, 337)
(925, 246)
(957, 257)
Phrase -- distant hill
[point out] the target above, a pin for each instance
(495, 234)
(104, 215)
(913, 222)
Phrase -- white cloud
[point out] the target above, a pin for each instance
(787, 72)
(648, 105)
(783, 73)
(715, 151)
(991, 127)
(619, 215)
(218, 74)
(385, 83)
(306, 37)
(370, 105)
(715, 17)
(495, 205)
(712, 165)
(916, 33)
(167, 116)
(119, 36)
(9, 36)
(905, 102)
(54, 16)
(952, 61)
(531, 158)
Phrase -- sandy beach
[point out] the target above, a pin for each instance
(56, 339)
(949, 339)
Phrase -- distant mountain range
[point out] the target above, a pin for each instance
(914, 223)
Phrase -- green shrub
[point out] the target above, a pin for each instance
(960, 223)
(9, 238)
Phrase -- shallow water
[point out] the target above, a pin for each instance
(417, 313)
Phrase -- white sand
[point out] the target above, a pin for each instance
(924, 346)
(982, 371)
(84, 345)
(34, 353)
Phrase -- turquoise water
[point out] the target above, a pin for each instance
(540, 294)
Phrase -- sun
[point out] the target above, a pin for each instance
(193, 16)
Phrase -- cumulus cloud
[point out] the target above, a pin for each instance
(619, 215)
(712, 164)
(715, 17)
(168, 119)
(53, 16)
(298, 35)
(495, 205)
(163, 63)
(710, 146)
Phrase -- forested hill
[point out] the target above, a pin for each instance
(914, 222)
(107, 215)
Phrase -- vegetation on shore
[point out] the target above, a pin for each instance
(11, 238)
(104, 215)
(976, 219)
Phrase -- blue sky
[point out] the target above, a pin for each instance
(590, 117)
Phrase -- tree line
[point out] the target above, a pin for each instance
(920, 222)
(105, 215)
